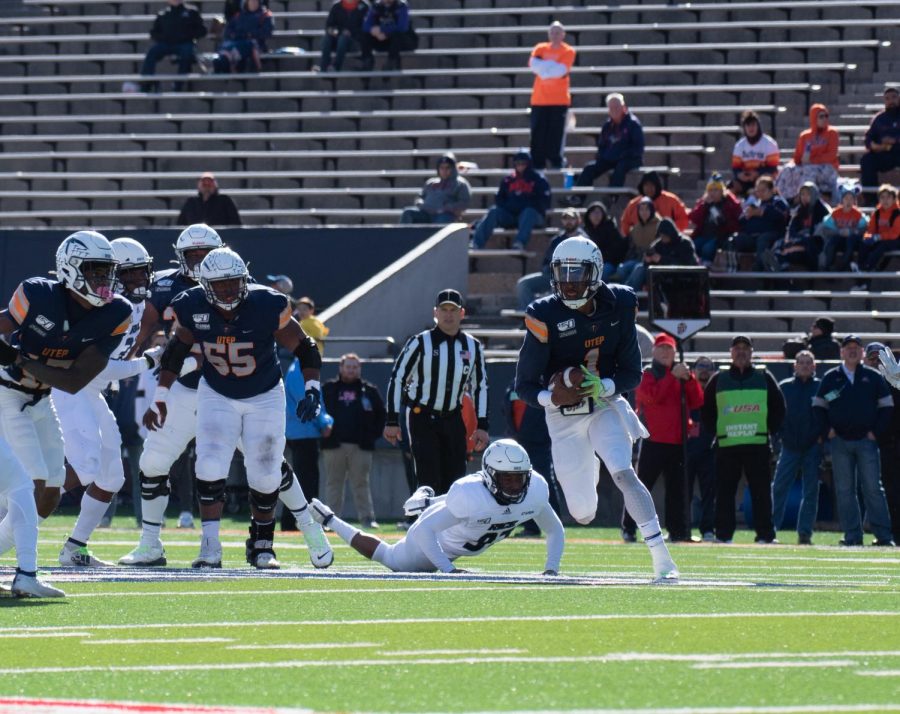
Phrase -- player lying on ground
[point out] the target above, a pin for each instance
(478, 511)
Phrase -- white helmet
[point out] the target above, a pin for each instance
(198, 236)
(505, 457)
(576, 261)
(85, 265)
(131, 255)
(218, 266)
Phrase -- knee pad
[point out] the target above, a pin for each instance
(263, 502)
(154, 487)
(625, 478)
(211, 491)
(287, 476)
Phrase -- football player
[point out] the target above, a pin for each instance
(478, 511)
(240, 398)
(62, 333)
(584, 335)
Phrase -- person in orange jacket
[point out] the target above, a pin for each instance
(883, 233)
(667, 204)
(815, 158)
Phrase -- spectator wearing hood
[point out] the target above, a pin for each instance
(819, 341)
(762, 222)
(387, 28)
(755, 154)
(667, 204)
(550, 98)
(343, 31)
(815, 158)
(882, 140)
(522, 202)
(714, 218)
(843, 230)
(244, 39)
(530, 286)
(443, 199)
(639, 237)
(883, 233)
(800, 248)
(209, 206)
(620, 146)
(671, 247)
(601, 228)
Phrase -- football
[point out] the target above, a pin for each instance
(565, 386)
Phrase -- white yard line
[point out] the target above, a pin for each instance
(44, 635)
(158, 641)
(777, 664)
(17, 705)
(306, 646)
(879, 672)
(419, 653)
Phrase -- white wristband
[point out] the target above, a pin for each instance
(313, 384)
(545, 398)
(160, 394)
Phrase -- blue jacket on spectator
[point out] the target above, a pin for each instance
(773, 219)
(884, 124)
(853, 409)
(294, 389)
(798, 430)
(390, 18)
(248, 25)
(519, 191)
(624, 140)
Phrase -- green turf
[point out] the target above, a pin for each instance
(811, 622)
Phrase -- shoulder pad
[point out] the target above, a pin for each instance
(458, 501)
(625, 296)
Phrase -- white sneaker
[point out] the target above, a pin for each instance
(79, 556)
(145, 556)
(29, 586)
(667, 573)
(210, 554)
(320, 553)
(185, 520)
(321, 513)
(266, 561)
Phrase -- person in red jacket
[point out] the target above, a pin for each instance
(714, 218)
(815, 158)
(658, 401)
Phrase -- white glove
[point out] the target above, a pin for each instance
(153, 356)
(607, 387)
(419, 501)
(889, 367)
(190, 364)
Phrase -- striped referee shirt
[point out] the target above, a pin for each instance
(434, 370)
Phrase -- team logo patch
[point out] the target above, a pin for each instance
(483, 521)
(201, 317)
(44, 322)
(565, 325)
(164, 283)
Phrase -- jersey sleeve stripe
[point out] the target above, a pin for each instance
(123, 327)
(285, 317)
(537, 328)
(18, 306)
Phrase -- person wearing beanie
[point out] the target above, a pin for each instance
(522, 202)
(815, 158)
(666, 203)
(714, 218)
(444, 198)
(671, 247)
(843, 230)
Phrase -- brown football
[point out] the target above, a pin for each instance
(564, 396)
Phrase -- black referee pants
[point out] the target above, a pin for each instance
(438, 446)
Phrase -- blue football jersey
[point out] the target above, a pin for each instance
(239, 355)
(165, 287)
(558, 337)
(55, 330)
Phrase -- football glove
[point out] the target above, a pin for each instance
(153, 355)
(8, 353)
(419, 501)
(308, 408)
(889, 367)
(595, 387)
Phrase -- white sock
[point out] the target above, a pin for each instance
(92, 512)
(344, 530)
(23, 519)
(659, 551)
(210, 529)
(152, 515)
(295, 501)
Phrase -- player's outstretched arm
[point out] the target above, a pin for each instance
(533, 358)
(425, 535)
(72, 378)
(291, 336)
(149, 322)
(549, 522)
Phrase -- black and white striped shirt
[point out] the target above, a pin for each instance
(434, 370)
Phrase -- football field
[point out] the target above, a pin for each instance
(748, 629)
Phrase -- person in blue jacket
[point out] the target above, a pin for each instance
(387, 27)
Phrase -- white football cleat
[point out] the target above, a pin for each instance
(321, 513)
(31, 586)
(320, 553)
(419, 501)
(210, 554)
(145, 556)
(266, 561)
(185, 520)
(79, 556)
(667, 576)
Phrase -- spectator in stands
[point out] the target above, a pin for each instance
(671, 247)
(714, 218)
(800, 248)
(233, 8)
(550, 98)
(531, 286)
(620, 147)
(667, 204)
(801, 448)
(175, 31)
(658, 401)
(742, 407)
(443, 199)
(882, 141)
(889, 446)
(343, 32)
(819, 341)
(843, 230)
(815, 158)
(762, 222)
(387, 28)
(755, 154)
(853, 408)
(522, 202)
(601, 228)
(884, 229)
(639, 237)
(358, 411)
(244, 39)
(701, 465)
(305, 314)
(209, 206)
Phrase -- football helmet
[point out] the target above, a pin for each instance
(196, 237)
(505, 457)
(224, 277)
(134, 268)
(85, 264)
(575, 271)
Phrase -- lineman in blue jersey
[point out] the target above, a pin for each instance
(240, 399)
(589, 325)
(478, 511)
(62, 334)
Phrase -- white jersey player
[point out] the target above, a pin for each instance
(478, 511)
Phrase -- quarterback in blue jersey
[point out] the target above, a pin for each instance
(62, 333)
(579, 356)
(240, 399)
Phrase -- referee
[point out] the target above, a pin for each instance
(430, 377)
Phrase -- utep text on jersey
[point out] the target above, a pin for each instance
(239, 355)
(55, 329)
